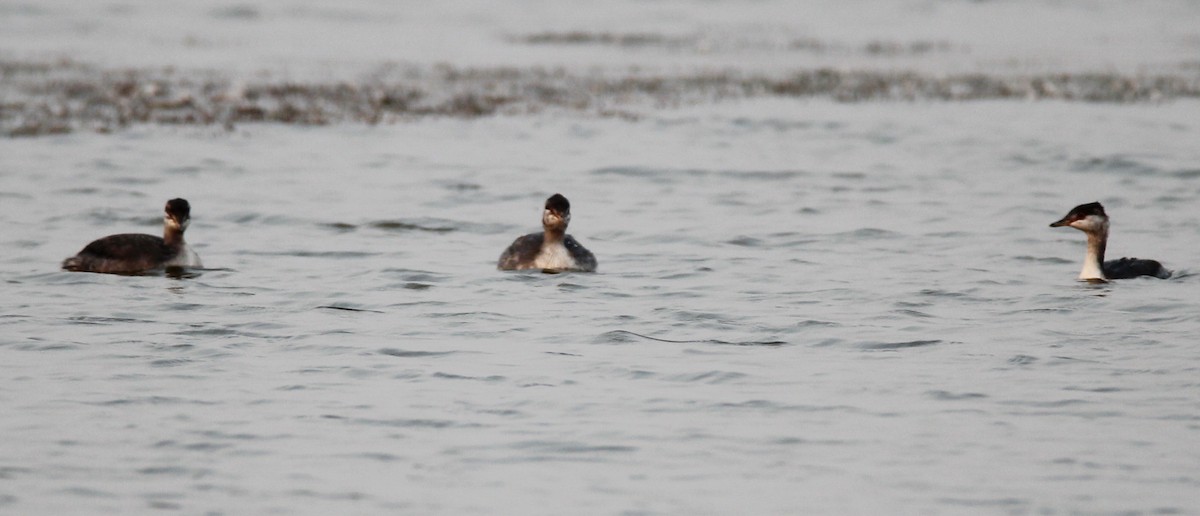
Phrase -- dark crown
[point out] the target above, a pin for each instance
(179, 208)
(558, 204)
(1091, 208)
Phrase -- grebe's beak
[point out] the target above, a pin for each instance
(1065, 221)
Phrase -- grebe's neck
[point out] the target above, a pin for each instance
(1094, 260)
(173, 233)
(554, 234)
(554, 222)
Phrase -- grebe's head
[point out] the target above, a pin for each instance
(557, 213)
(1089, 218)
(178, 214)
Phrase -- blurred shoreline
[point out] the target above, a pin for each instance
(62, 96)
(98, 67)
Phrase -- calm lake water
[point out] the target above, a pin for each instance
(803, 306)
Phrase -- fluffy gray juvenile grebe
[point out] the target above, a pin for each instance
(132, 253)
(1091, 219)
(552, 250)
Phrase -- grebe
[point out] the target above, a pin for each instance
(132, 253)
(553, 250)
(1091, 219)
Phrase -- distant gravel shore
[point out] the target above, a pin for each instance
(39, 98)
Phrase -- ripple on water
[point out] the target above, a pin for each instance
(745, 241)
(261, 219)
(1095, 389)
(340, 227)
(1043, 259)
(571, 447)
(1022, 360)
(451, 376)
(9, 472)
(87, 492)
(429, 225)
(348, 309)
(1121, 164)
(625, 336)
(170, 362)
(307, 253)
(710, 377)
(889, 346)
(87, 319)
(13, 318)
(403, 422)
(405, 226)
(773, 406)
(934, 292)
(402, 353)
(198, 330)
(407, 285)
(1012, 503)
(175, 471)
(198, 446)
(1046, 404)
(471, 316)
(913, 313)
(16, 195)
(813, 323)
(152, 400)
(954, 396)
(37, 345)
(415, 275)
(653, 175)
(867, 234)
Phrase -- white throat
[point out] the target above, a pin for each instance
(1097, 234)
(1092, 269)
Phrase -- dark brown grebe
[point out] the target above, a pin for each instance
(1091, 219)
(132, 253)
(552, 250)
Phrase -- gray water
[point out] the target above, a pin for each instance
(803, 306)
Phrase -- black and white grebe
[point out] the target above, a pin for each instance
(131, 253)
(1091, 219)
(552, 250)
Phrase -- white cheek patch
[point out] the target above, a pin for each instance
(1089, 223)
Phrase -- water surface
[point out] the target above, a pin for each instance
(803, 306)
